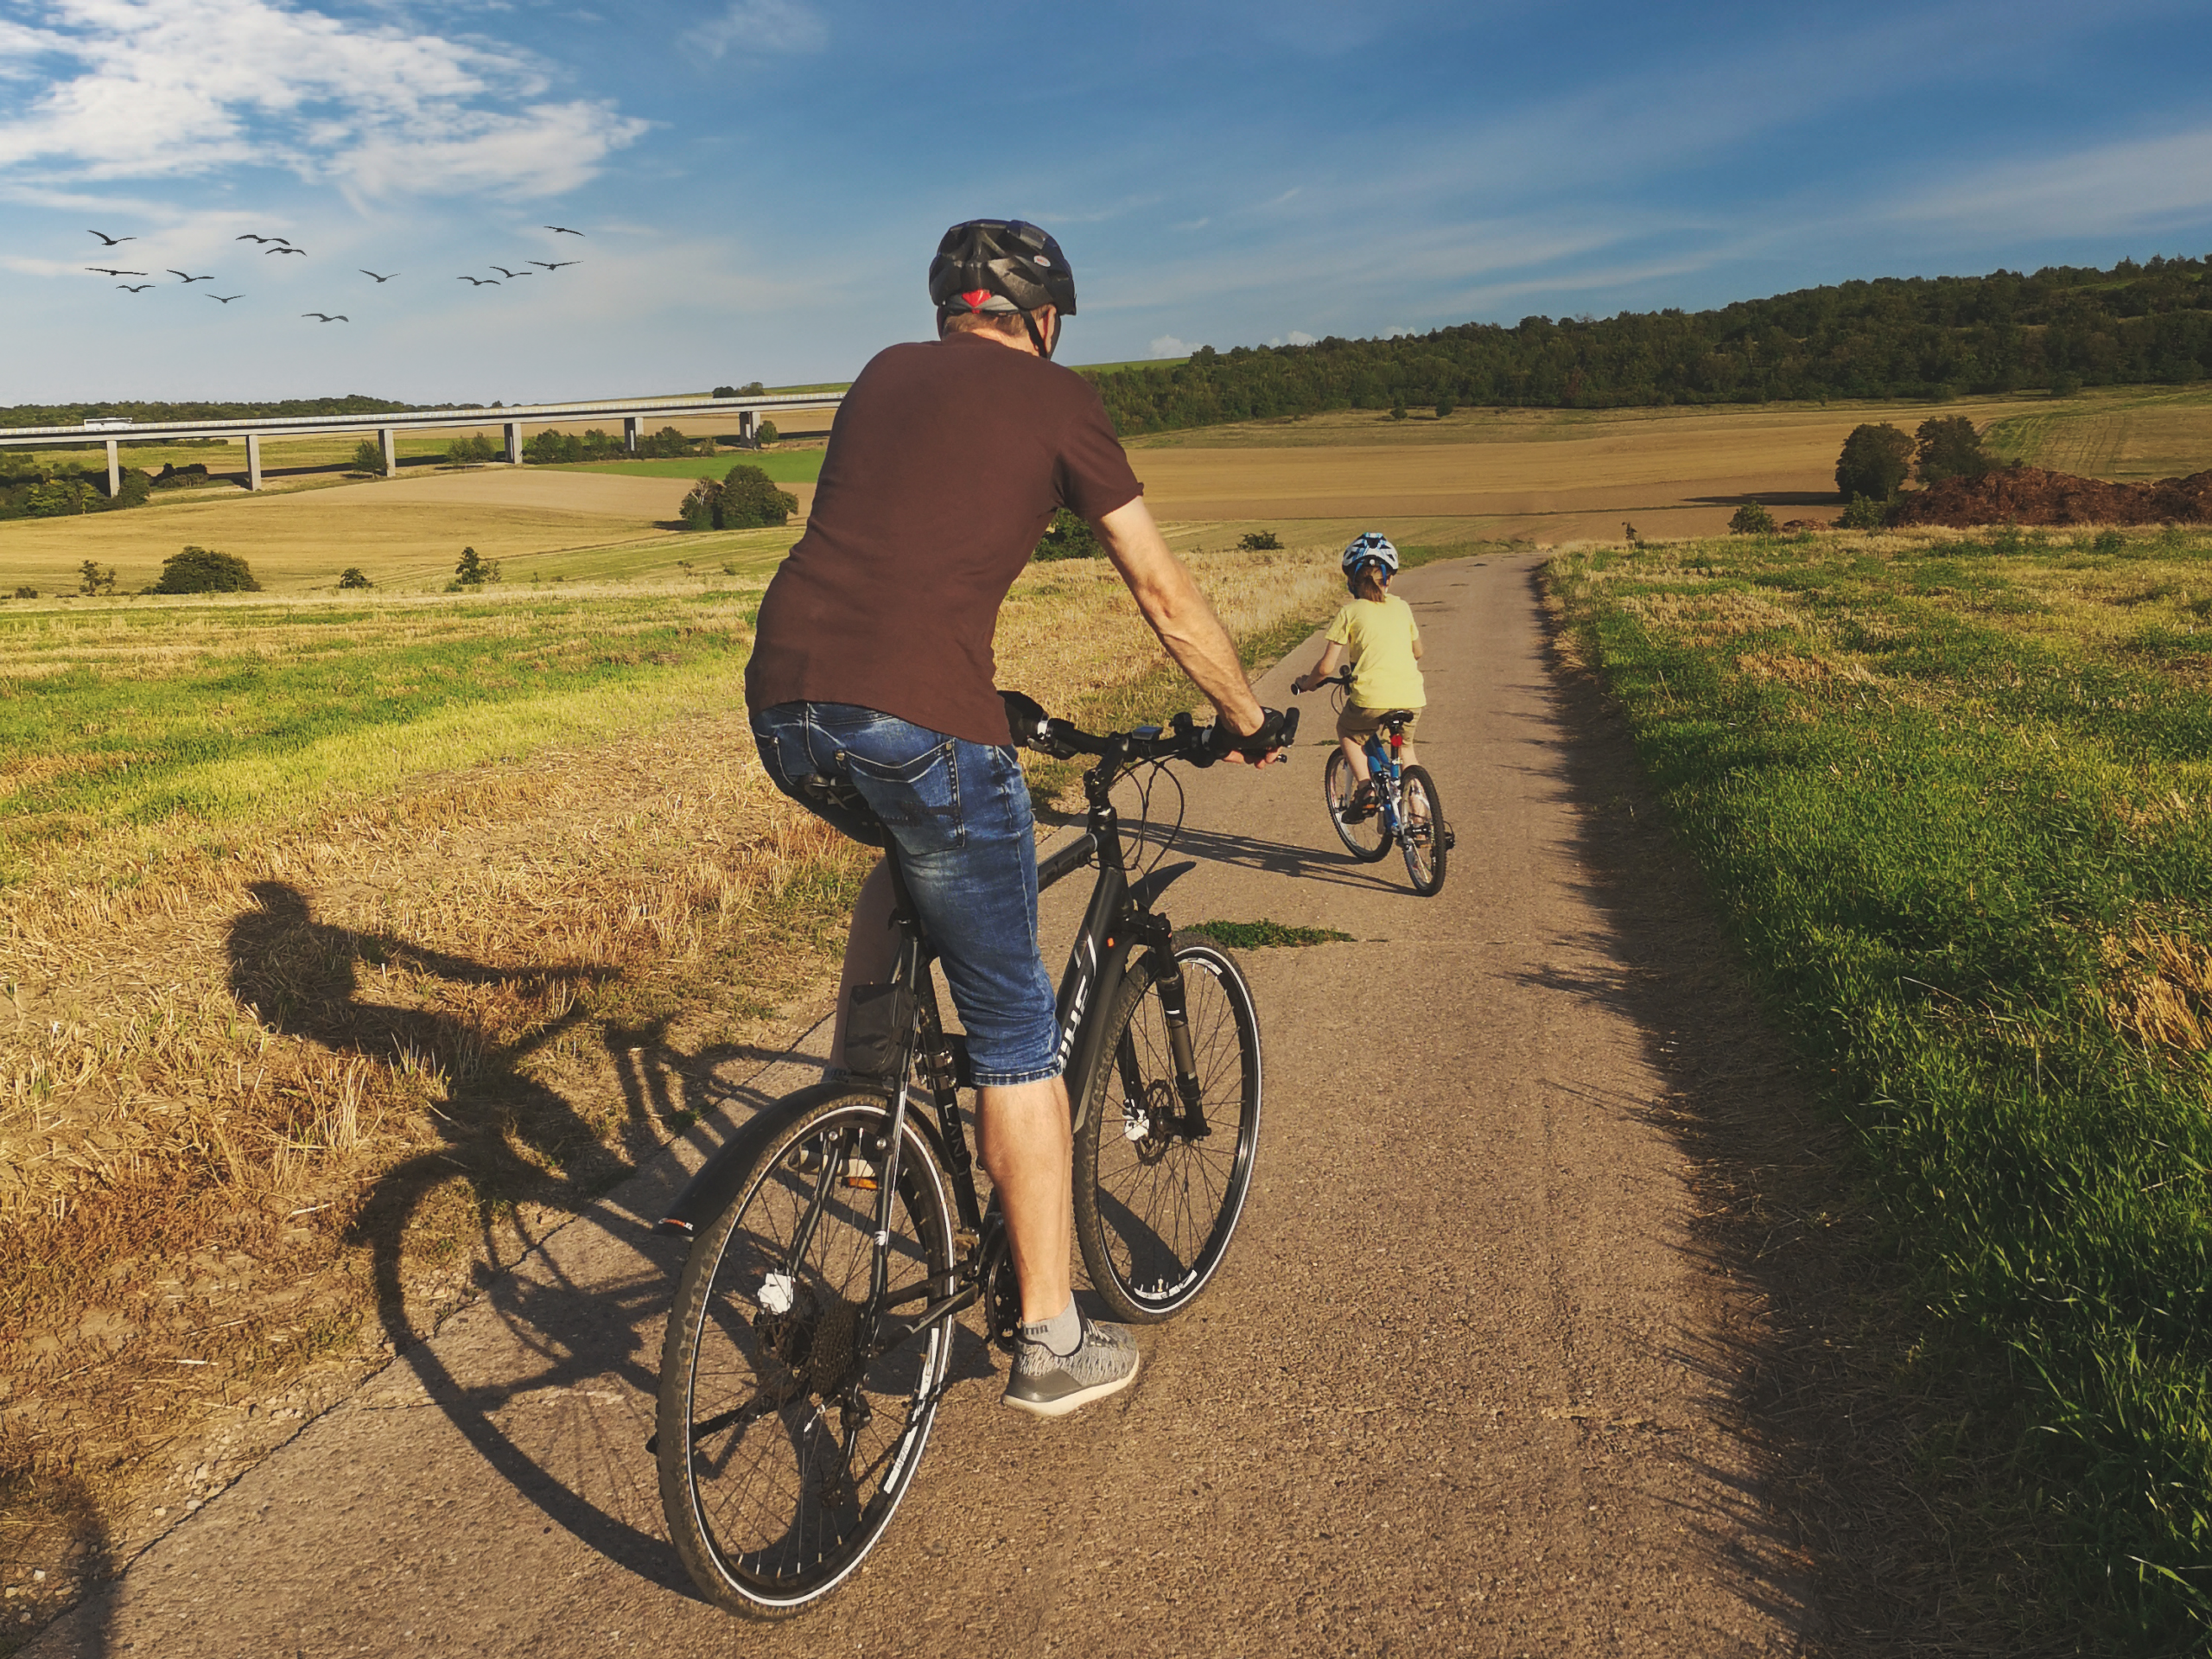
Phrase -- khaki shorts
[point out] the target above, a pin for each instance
(1356, 722)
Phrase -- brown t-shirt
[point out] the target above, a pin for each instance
(946, 461)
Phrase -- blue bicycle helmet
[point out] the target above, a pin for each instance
(1369, 548)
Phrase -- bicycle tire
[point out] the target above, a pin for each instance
(1155, 1211)
(773, 1490)
(1367, 840)
(1422, 837)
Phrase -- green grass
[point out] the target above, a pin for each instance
(119, 715)
(784, 465)
(1956, 799)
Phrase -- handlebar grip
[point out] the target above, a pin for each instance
(1289, 726)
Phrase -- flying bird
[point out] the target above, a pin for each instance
(284, 251)
(251, 237)
(225, 299)
(504, 272)
(556, 265)
(324, 317)
(104, 271)
(111, 241)
(480, 281)
(174, 271)
(366, 271)
(564, 229)
(140, 289)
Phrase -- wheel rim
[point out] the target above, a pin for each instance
(1367, 839)
(1169, 1205)
(797, 1457)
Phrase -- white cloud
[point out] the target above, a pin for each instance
(770, 28)
(2145, 184)
(1295, 337)
(171, 88)
(1168, 346)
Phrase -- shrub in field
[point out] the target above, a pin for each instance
(1068, 537)
(204, 570)
(700, 504)
(1259, 541)
(750, 389)
(475, 570)
(1947, 445)
(94, 579)
(1752, 519)
(1864, 513)
(174, 477)
(1398, 411)
(470, 451)
(1874, 461)
(2066, 385)
(353, 576)
(1444, 407)
(764, 433)
(26, 593)
(751, 500)
(368, 456)
(669, 444)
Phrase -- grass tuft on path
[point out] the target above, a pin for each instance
(1264, 934)
(1955, 795)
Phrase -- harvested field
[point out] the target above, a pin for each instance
(302, 1044)
(2123, 434)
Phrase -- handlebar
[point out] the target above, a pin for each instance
(1342, 676)
(1182, 738)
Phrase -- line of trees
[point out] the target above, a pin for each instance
(1927, 338)
(66, 492)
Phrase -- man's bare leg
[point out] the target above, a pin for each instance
(871, 949)
(1028, 1148)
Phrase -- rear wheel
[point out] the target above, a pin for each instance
(1422, 834)
(1366, 837)
(783, 1453)
(1159, 1188)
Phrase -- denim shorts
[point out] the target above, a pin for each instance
(967, 844)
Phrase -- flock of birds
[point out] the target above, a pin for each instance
(278, 244)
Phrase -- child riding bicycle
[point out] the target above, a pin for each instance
(1377, 633)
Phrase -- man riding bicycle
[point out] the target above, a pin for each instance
(872, 677)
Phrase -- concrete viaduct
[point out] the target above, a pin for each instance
(633, 412)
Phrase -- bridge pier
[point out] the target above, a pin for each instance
(514, 443)
(390, 452)
(114, 471)
(253, 461)
(632, 425)
(746, 424)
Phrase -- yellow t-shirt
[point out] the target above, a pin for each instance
(1379, 636)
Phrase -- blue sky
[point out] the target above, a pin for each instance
(760, 182)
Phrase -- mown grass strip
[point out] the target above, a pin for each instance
(1265, 935)
(1957, 803)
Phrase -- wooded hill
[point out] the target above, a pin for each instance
(1917, 337)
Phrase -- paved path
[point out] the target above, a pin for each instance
(1448, 1396)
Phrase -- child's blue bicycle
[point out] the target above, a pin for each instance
(1395, 805)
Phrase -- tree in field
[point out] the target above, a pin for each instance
(1068, 537)
(1752, 519)
(1874, 461)
(1260, 540)
(1445, 406)
(475, 570)
(1863, 513)
(1949, 447)
(751, 500)
(1398, 411)
(94, 579)
(468, 451)
(368, 456)
(764, 433)
(353, 576)
(203, 570)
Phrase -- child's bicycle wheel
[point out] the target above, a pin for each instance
(1423, 836)
(1366, 835)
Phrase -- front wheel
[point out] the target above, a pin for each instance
(783, 1450)
(1423, 836)
(1366, 835)
(1161, 1178)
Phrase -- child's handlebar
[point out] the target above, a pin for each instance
(1028, 724)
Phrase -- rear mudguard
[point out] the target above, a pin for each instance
(718, 1180)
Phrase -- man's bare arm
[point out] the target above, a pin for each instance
(1171, 599)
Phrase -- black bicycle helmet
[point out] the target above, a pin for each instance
(1000, 265)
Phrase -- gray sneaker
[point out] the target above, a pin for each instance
(1048, 1384)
